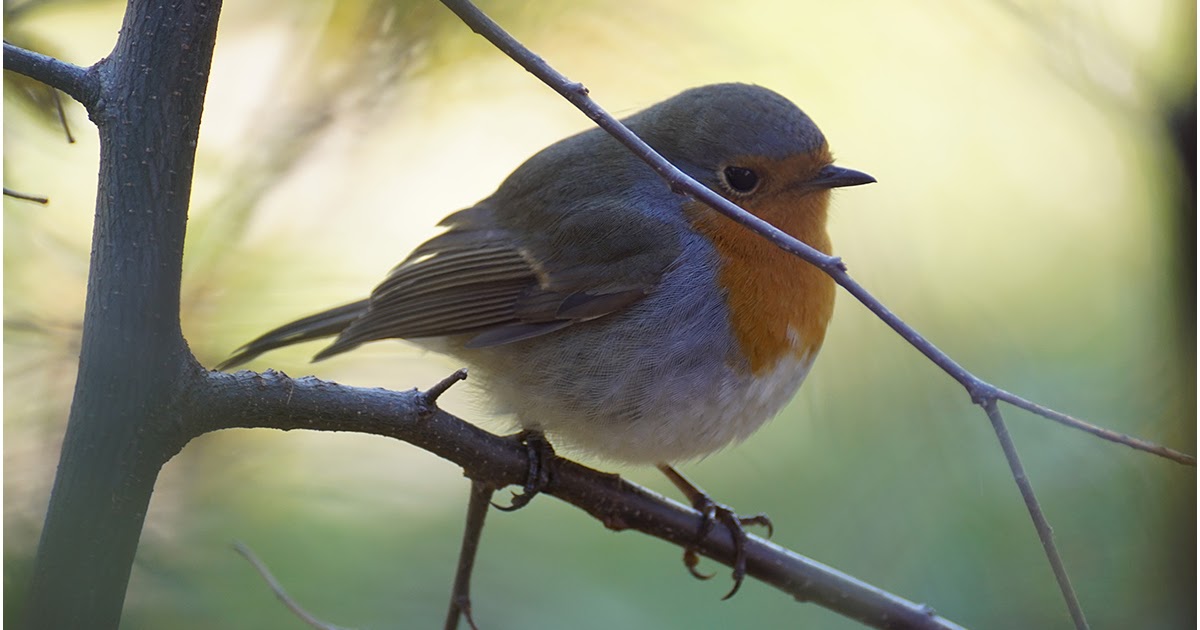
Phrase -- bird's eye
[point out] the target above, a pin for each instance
(740, 180)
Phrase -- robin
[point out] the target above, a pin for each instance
(621, 319)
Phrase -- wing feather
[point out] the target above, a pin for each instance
(494, 286)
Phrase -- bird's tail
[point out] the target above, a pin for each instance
(324, 324)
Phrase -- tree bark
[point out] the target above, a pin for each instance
(133, 360)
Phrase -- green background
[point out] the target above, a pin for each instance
(1031, 218)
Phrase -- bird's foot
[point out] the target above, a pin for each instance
(712, 512)
(540, 455)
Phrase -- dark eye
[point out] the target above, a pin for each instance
(740, 180)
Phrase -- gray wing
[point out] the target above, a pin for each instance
(474, 280)
(493, 285)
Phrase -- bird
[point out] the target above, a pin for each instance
(617, 318)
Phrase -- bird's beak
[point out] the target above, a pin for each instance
(838, 177)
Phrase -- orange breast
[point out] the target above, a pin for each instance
(779, 305)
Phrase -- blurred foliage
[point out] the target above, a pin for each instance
(1034, 217)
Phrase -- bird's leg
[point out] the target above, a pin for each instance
(710, 513)
(540, 455)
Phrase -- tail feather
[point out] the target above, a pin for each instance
(324, 324)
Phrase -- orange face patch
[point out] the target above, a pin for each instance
(778, 304)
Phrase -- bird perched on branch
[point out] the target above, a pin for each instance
(619, 318)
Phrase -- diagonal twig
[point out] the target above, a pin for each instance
(62, 115)
(1100, 432)
(681, 183)
(279, 591)
(981, 392)
(1045, 534)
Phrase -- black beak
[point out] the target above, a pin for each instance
(838, 177)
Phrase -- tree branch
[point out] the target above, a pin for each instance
(80, 83)
(273, 400)
(1100, 432)
(133, 360)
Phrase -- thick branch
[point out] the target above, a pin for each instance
(273, 400)
(146, 99)
(80, 83)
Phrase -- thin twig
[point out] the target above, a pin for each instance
(435, 392)
(62, 115)
(20, 195)
(982, 393)
(1045, 533)
(75, 81)
(577, 94)
(460, 597)
(265, 573)
(1112, 436)
(680, 182)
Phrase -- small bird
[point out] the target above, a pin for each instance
(621, 319)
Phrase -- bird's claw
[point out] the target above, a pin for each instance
(710, 513)
(690, 560)
(539, 454)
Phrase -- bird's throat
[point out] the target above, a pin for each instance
(779, 305)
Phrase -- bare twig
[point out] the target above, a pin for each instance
(62, 115)
(1045, 534)
(460, 596)
(76, 82)
(981, 391)
(680, 182)
(435, 392)
(1111, 436)
(20, 195)
(277, 588)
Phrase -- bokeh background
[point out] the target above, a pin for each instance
(1034, 216)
